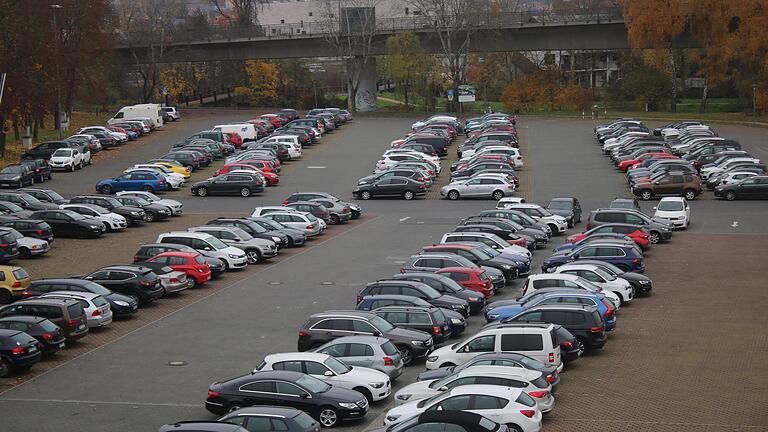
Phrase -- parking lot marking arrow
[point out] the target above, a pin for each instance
(735, 224)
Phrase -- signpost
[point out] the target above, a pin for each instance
(467, 93)
(450, 94)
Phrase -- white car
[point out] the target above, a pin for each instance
(66, 159)
(555, 280)
(174, 206)
(207, 245)
(386, 162)
(112, 221)
(557, 224)
(97, 311)
(291, 141)
(91, 138)
(117, 135)
(608, 282)
(675, 210)
(175, 180)
(506, 202)
(707, 172)
(305, 222)
(512, 152)
(29, 246)
(435, 118)
(529, 380)
(505, 405)
(736, 177)
(262, 211)
(489, 239)
(434, 159)
(373, 384)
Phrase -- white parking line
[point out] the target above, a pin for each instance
(315, 167)
(405, 219)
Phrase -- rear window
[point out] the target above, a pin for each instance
(75, 310)
(99, 301)
(439, 316)
(7, 238)
(540, 382)
(20, 273)
(304, 420)
(389, 348)
(22, 338)
(47, 326)
(596, 317)
(525, 400)
(521, 342)
(200, 260)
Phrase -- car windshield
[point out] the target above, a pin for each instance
(622, 204)
(429, 401)
(62, 153)
(604, 274)
(589, 285)
(244, 236)
(13, 169)
(670, 206)
(96, 288)
(73, 215)
(140, 201)
(481, 254)
(313, 384)
(269, 223)
(382, 324)
(559, 205)
(545, 212)
(441, 382)
(311, 217)
(15, 234)
(55, 196)
(216, 243)
(12, 207)
(113, 202)
(336, 366)
(489, 251)
(99, 210)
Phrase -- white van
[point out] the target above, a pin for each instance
(537, 340)
(152, 111)
(247, 131)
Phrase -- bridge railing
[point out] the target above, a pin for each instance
(414, 23)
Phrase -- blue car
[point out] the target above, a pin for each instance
(624, 257)
(457, 321)
(133, 181)
(604, 307)
(592, 238)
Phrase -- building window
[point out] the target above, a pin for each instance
(406, 11)
(282, 21)
(310, 14)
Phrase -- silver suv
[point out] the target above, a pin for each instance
(256, 249)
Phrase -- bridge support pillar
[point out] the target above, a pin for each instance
(365, 99)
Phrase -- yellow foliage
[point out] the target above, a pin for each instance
(262, 83)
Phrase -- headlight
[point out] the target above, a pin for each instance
(233, 256)
(456, 307)
(493, 316)
(473, 299)
(17, 178)
(432, 358)
(539, 236)
(348, 405)
(93, 226)
(376, 385)
(644, 282)
(456, 321)
(403, 397)
(276, 239)
(417, 343)
(506, 267)
(392, 417)
(134, 213)
(121, 303)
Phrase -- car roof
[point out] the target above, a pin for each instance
(202, 425)
(495, 371)
(545, 276)
(197, 235)
(574, 264)
(570, 307)
(29, 319)
(306, 355)
(343, 314)
(509, 393)
(268, 410)
(448, 246)
(46, 300)
(460, 270)
(85, 295)
(679, 199)
(375, 340)
(281, 374)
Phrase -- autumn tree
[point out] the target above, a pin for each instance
(406, 62)
(244, 13)
(261, 88)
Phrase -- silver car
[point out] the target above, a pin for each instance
(28, 246)
(339, 211)
(366, 351)
(494, 188)
(305, 222)
(173, 281)
(174, 206)
(256, 249)
(97, 310)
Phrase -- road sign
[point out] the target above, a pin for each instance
(450, 94)
(164, 90)
(466, 93)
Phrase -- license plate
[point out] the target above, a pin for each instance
(61, 345)
(32, 349)
(81, 326)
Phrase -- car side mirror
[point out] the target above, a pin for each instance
(655, 208)
(207, 248)
(328, 374)
(89, 278)
(465, 349)
(306, 396)
(443, 388)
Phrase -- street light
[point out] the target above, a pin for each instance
(56, 8)
(754, 102)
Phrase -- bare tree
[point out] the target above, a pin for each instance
(349, 26)
(244, 13)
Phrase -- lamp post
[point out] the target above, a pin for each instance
(56, 8)
(754, 102)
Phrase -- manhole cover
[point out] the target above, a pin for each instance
(274, 283)
(177, 363)
(327, 283)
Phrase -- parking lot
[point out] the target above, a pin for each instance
(690, 357)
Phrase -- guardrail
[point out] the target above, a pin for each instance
(414, 23)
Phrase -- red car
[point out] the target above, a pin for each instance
(625, 164)
(270, 177)
(639, 236)
(262, 165)
(275, 120)
(234, 139)
(263, 122)
(191, 263)
(470, 278)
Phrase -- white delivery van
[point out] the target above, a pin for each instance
(152, 111)
(247, 131)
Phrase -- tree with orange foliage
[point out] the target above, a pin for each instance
(261, 89)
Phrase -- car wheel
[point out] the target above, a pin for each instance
(365, 393)
(553, 227)
(24, 253)
(106, 189)
(365, 195)
(4, 369)
(252, 256)
(202, 191)
(82, 234)
(189, 167)
(580, 344)
(453, 195)
(406, 354)
(148, 188)
(730, 195)
(335, 219)
(194, 283)
(654, 237)
(149, 217)
(449, 364)
(82, 164)
(5, 297)
(245, 192)
(497, 195)
(225, 264)
(690, 194)
(233, 407)
(328, 416)
(621, 297)
(646, 195)
(408, 195)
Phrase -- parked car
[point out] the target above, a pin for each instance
(133, 181)
(749, 188)
(68, 314)
(173, 281)
(149, 250)
(111, 221)
(67, 223)
(492, 188)
(192, 264)
(133, 215)
(27, 246)
(121, 305)
(97, 311)
(45, 195)
(305, 222)
(67, 159)
(308, 196)
(424, 317)
(444, 284)
(31, 228)
(620, 230)
(48, 334)
(274, 232)
(415, 289)
(41, 170)
(567, 207)
(367, 351)
(475, 279)
(329, 325)
(372, 384)
(208, 245)
(659, 230)
(152, 212)
(133, 280)
(270, 418)
(675, 184)
(584, 322)
(256, 249)
(17, 175)
(675, 210)
(18, 352)
(393, 186)
(229, 184)
(324, 402)
(26, 201)
(44, 150)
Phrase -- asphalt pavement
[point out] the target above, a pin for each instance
(128, 385)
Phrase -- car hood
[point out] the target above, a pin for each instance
(418, 387)
(493, 272)
(634, 277)
(23, 214)
(62, 158)
(668, 214)
(30, 242)
(276, 233)
(367, 179)
(504, 311)
(436, 373)
(663, 222)
(231, 250)
(168, 202)
(450, 300)
(339, 394)
(360, 374)
(155, 207)
(93, 221)
(399, 333)
(9, 175)
(127, 209)
(44, 206)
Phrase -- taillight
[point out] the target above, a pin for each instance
(568, 344)
(596, 329)
(48, 336)
(285, 202)
(609, 311)
(213, 394)
(637, 261)
(40, 232)
(436, 330)
(72, 324)
(359, 299)
(402, 270)
(510, 186)
(589, 225)
(26, 294)
(324, 214)
(302, 333)
(96, 313)
(136, 258)
(538, 394)
(388, 361)
(310, 227)
(4, 245)
(17, 350)
(16, 284)
(551, 357)
(528, 413)
(550, 378)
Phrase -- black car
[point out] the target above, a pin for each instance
(68, 314)
(415, 289)
(26, 201)
(244, 185)
(17, 175)
(147, 251)
(326, 403)
(272, 418)
(445, 420)
(134, 215)
(750, 188)
(40, 167)
(519, 218)
(47, 333)
(200, 157)
(187, 159)
(18, 351)
(9, 247)
(428, 319)
(411, 174)
(539, 237)
(567, 207)
(477, 256)
(394, 186)
(447, 286)
(106, 140)
(44, 150)
(203, 426)
(315, 209)
(583, 321)
(152, 212)
(11, 209)
(254, 229)
(45, 195)
(135, 281)
(570, 348)
(309, 196)
(122, 305)
(326, 326)
(293, 236)
(31, 228)
(66, 223)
